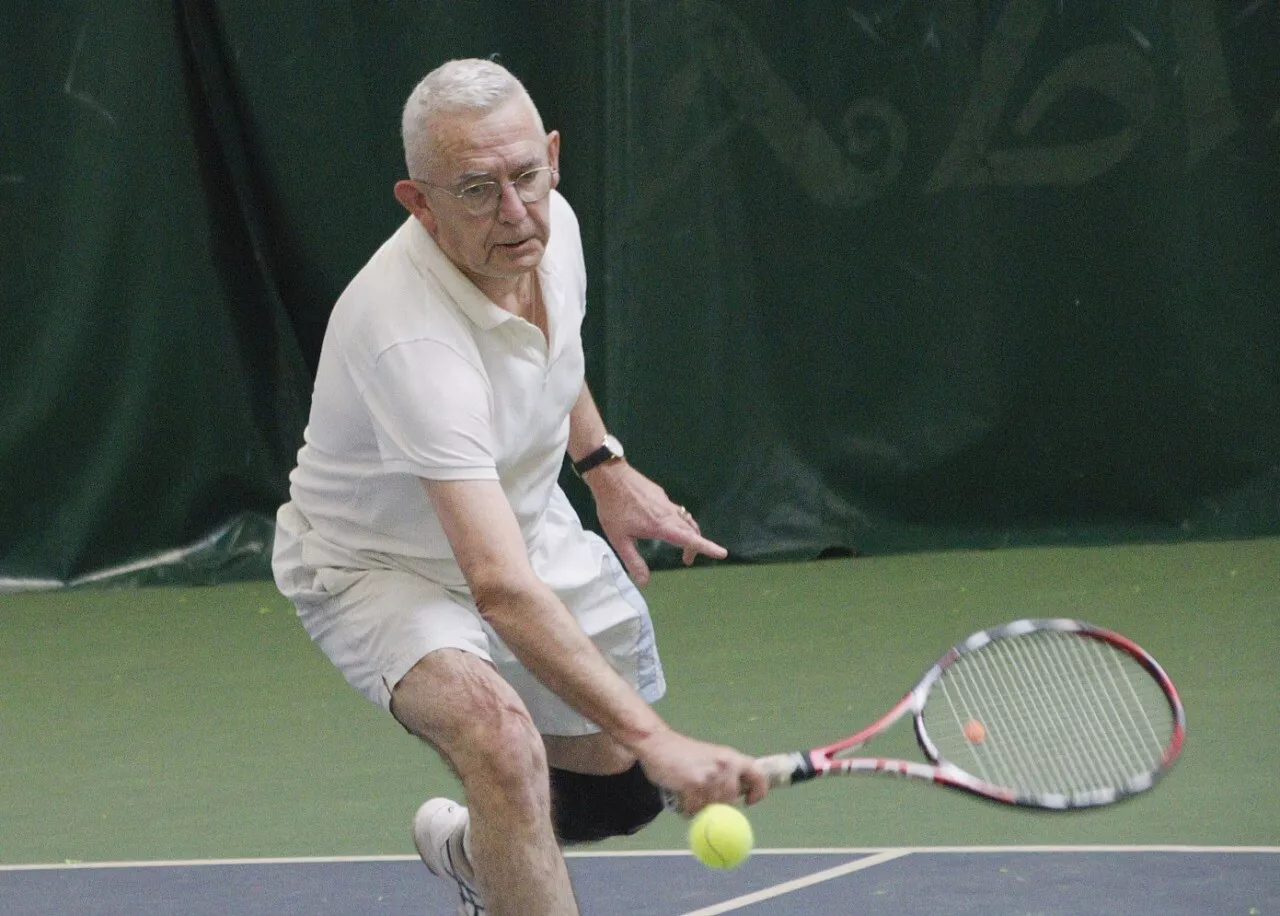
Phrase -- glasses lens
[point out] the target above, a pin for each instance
(534, 185)
(480, 198)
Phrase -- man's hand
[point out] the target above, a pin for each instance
(630, 506)
(698, 773)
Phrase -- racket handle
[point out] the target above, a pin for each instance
(780, 769)
(784, 769)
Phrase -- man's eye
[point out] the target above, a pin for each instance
(477, 191)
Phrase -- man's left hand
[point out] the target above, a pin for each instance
(631, 506)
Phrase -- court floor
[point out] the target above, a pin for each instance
(991, 881)
(188, 751)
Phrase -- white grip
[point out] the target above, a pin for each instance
(783, 769)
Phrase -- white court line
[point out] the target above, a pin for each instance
(872, 850)
(787, 887)
(1159, 847)
(646, 853)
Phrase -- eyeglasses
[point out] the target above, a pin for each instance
(483, 197)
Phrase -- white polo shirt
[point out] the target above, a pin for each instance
(421, 375)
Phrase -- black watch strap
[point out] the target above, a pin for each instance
(609, 450)
(593, 460)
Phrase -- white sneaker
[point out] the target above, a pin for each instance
(438, 830)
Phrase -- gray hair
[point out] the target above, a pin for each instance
(468, 85)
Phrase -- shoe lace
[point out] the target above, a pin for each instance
(469, 896)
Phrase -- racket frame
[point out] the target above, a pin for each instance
(801, 766)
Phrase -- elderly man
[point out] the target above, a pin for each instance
(427, 546)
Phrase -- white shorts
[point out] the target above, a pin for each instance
(376, 623)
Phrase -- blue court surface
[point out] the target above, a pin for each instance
(959, 881)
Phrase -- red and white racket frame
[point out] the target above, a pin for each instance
(801, 766)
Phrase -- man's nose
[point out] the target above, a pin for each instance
(511, 209)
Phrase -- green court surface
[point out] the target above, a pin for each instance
(201, 723)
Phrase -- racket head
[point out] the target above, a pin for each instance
(1068, 715)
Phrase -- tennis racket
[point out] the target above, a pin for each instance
(1053, 714)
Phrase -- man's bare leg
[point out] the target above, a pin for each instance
(596, 754)
(459, 704)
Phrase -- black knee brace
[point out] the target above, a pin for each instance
(587, 808)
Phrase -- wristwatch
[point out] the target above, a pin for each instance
(610, 450)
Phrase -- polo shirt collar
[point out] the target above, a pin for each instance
(478, 307)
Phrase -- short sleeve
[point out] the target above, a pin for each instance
(432, 413)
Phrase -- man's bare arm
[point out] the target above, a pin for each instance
(531, 620)
(543, 635)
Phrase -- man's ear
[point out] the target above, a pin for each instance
(414, 199)
(553, 155)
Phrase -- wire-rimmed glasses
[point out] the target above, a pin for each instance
(483, 197)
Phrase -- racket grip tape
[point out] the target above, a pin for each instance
(786, 769)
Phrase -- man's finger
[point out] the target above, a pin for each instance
(698, 544)
(682, 531)
(637, 568)
(755, 785)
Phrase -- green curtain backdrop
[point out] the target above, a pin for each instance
(864, 277)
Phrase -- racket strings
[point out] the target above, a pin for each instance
(1006, 705)
(1094, 760)
(1057, 713)
(1105, 752)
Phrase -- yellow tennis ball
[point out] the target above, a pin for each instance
(721, 836)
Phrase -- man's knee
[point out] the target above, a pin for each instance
(460, 706)
(587, 808)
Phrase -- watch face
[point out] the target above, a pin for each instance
(613, 445)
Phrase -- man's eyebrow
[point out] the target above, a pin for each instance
(518, 169)
(525, 165)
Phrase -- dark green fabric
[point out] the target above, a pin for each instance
(152, 389)
(873, 278)
(900, 276)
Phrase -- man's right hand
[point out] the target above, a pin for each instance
(698, 773)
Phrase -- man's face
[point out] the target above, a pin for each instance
(499, 146)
